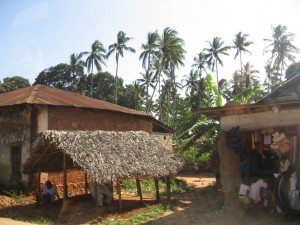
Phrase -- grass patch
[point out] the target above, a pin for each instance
(18, 196)
(150, 212)
(148, 186)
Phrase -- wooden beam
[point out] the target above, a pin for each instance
(96, 193)
(119, 192)
(138, 186)
(168, 188)
(156, 189)
(86, 183)
(65, 176)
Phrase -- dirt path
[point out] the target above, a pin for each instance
(202, 205)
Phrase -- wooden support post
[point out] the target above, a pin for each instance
(86, 183)
(65, 176)
(138, 186)
(112, 188)
(156, 189)
(39, 181)
(119, 191)
(96, 193)
(168, 188)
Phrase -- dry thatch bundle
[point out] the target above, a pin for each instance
(105, 155)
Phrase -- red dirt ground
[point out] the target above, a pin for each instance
(199, 206)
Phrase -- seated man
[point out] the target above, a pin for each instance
(103, 191)
(47, 195)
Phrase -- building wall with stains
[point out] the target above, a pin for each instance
(71, 118)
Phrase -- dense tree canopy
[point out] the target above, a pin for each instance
(13, 83)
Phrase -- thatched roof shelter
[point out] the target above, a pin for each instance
(104, 155)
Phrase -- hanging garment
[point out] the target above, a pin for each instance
(255, 190)
(267, 139)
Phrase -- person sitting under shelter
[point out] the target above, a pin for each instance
(103, 192)
(48, 194)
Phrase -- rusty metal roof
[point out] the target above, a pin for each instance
(45, 95)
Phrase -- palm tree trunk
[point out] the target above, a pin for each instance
(116, 88)
(217, 74)
(92, 83)
(157, 81)
(147, 84)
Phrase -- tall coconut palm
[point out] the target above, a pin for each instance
(119, 47)
(169, 57)
(213, 53)
(146, 82)
(172, 53)
(150, 50)
(200, 62)
(148, 57)
(190, 83)
(281, 48)
(94, 58)
(241, 44)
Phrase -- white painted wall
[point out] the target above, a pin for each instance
(42, 118)
(261, 120)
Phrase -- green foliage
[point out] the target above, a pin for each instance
(151, 211)
(197, 143)
(292, 70)
(18, 196)
(131, 97)
(13, 83)
(214, 97)
(148, 186)
(62, 76)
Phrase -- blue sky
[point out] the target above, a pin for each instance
(35, 35)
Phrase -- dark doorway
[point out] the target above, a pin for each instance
(16, 151)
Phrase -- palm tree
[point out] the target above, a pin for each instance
(281, 48)
(119, 47)
(213, 53)
(200, 63)
(190, 83)
(95, 58)
(148, 57)
(145, 82)
(172, 55)
(240, 44)
(150, 52)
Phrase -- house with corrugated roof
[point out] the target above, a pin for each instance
(27, 112)
(254, 137)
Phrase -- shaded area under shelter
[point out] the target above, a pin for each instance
(104, 155)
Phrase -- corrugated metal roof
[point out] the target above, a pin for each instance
(45, 95)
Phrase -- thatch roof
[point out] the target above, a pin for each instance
(102, 154)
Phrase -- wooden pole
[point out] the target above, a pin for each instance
(168, 188)
(139, 189)
(119, 192)
(96, 193)
(65, 176)
(156, 189)
(86, 183)
(39, 181)
(112, 188)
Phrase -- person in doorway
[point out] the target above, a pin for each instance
(48, 194)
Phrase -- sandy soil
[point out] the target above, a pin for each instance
(202, 205)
